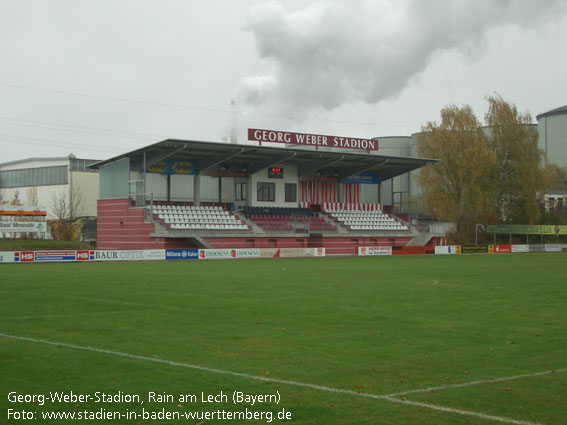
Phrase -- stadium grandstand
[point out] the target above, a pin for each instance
(286, 190)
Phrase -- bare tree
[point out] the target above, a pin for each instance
(67, 208)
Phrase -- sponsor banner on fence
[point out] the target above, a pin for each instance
(309, 252)
(520, 248)
(374, 250)
(7, 256)
(291, 252)
(502, 249)
(269, 252)
(524, 229)
(55, 256)
(537, 248)
(52, 256)
(181, 254)
(129, 255)
(227, 254)
(24, 256)
(552, 248)
(476, 249)
(23, 226)
(446, 250)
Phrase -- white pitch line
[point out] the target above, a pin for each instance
(389, 398)
(462, 412)
(485, 381)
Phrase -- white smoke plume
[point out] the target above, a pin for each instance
(341, 51)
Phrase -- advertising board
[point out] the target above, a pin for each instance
(525, 229)
(24, 256)
(181, 254)
(227, 254)
(520, 248)
(368, 177)
(475, 249)
(502, 249)
(54, 256)
(446, 250)
(374, 250)
(23, 226)
(300, 252)
(129, 255)
(7, 256)
(173, 167)
(552, 248)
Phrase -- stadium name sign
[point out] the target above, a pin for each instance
(273, 136)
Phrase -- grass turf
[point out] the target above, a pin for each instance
(41, 244)
(371, 325)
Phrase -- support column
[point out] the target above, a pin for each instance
(196, 190)
(168, 178)
(144, 182)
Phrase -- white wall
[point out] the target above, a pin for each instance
(182, 187)
(87, 184)
(290, 176)
(43, 196)
(368, 193)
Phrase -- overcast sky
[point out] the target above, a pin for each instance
(98, 78)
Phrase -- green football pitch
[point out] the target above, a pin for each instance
(421, 340)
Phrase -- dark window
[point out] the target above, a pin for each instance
(290, 192)
(240, 190)
(266, 191)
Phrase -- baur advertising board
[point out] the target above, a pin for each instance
(129, 255)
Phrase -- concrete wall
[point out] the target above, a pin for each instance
(290, 176)
(553, 138)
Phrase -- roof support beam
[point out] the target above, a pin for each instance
(255, 167)
(219, 159)
(156, 158)
(355, 171)
(305, 171)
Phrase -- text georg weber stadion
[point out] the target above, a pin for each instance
(272, 136)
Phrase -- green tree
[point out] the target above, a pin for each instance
(518, 172)
(555, 177)
(457, 189)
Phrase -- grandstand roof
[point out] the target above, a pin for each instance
(248, 159)
(562, 110)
